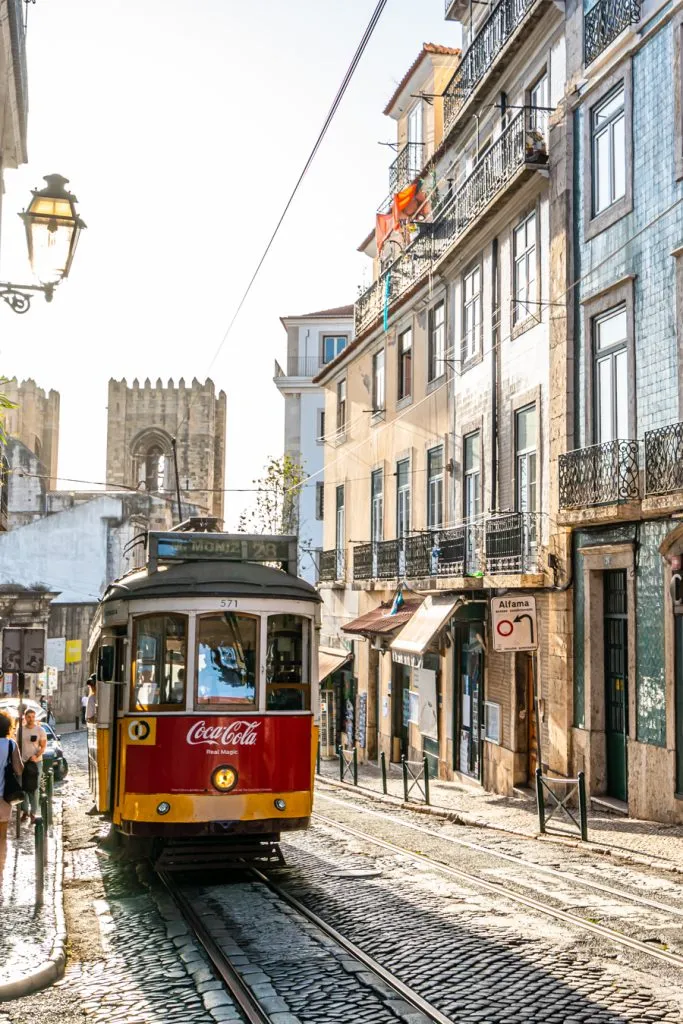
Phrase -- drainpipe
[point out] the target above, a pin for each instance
(495, 355)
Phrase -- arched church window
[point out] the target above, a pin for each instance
(155, 469)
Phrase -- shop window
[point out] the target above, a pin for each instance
(227, 648)
(159, 662)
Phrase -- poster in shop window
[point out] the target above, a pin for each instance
(414, 712)
(428, 713)
(361, 719)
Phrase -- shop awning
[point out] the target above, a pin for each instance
(330, 659)
(380, 620)
(433, 614)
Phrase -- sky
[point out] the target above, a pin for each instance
(182, 128)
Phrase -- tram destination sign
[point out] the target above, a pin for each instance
(221, 547)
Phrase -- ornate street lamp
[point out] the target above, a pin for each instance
(53, 227)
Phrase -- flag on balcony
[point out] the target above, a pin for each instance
(398, 601)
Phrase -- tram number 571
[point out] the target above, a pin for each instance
(228, 602)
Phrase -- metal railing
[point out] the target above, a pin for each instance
(481, 54)
(406, 167)
(520, 144)
(576, 788)
(415, 778)
(511, 542)
(303, 366)
(664, 459)
(362, 562)
(348, 765)
(332, 565)
(601, 474)
(604, 22)
(386, 558)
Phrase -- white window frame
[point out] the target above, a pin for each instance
(525, 266)
(435, 489)
(436, 342)
(471, 314)
(379, 383)
(614, 159)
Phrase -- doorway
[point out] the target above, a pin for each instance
(469, 705)
(615, 613)
(400, 710)
(678, 683)
(526, 703)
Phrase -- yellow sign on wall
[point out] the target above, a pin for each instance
(73, 651)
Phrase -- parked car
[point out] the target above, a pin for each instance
(54, 754)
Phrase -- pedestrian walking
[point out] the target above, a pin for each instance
(9, 752)
(33, 743)
(91, 705)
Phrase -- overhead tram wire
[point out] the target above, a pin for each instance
(350, 71)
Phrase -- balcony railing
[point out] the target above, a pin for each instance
(664, 460)
(303, 366)
(406, 166)
(500, 544)
(604, 22)
(481, 54)
(602, 474)
(522, 144)
(332, 565)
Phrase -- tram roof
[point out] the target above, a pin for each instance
(214, 579)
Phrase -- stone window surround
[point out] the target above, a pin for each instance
(472, 426)
(409, 323)
(466, 364)
(618, 293)
(532, 319)
(436, 382)
(596, 560)
(594, 225)
(517, 403)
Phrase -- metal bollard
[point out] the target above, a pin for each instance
(43, 818)
(583, 807)
(49, 793)
(77, 721)
(341, 764)
(383, 768)
(540, 800)
(404, 766)
(40, 861)
(317, 759)
(355, 766)
(425, 762)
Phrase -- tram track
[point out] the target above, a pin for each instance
(367, 970)
(502, 891)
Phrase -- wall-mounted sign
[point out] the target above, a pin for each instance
(513, 623)
(23, 650)
(55, 652)
(73, 651)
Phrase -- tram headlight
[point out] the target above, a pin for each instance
(164, 807)
(280, 804)
(224, 778)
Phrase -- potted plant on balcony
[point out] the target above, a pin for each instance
(535, 149)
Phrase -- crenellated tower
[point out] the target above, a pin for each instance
(35, 422)
(142, 420)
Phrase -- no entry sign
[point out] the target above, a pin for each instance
(513, 622)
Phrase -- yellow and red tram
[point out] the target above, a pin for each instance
(206, 663)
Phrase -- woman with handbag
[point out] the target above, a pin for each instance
(11, 767)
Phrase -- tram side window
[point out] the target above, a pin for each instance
(227, 659)
(159, 666)
(287, 678)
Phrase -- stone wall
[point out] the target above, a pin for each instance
(35, 422)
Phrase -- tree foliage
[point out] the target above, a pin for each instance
(276, 508)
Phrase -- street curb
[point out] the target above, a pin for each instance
(52, 969)
(469, 820)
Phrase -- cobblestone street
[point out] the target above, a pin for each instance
(473, 953)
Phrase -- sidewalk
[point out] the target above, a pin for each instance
(32, 951)
(645, 841)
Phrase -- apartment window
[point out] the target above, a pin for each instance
(435, 487)
(472, 475)
(608, 144)
(436, 342)
(319, 500)
(333, 344)
(402, 498)
(525, 458)
(339, 519)
(376, 506)
(539, 101)
(378, 393)
(341, 406)
(405, 364)
(524, 245)
(471, 314)
(415, 140)
(610, 389)
(320, 426)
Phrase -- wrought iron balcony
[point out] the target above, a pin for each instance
(362, 561)
(332, 565)
(604, 22)
(386, 559)
(481, 54)
(602, 474)
(511, 543)
(406, 166)
(664, 460)
(522, 144)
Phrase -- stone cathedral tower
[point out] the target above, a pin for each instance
(140, 424)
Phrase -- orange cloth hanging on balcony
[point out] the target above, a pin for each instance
(411, 203)
(385, 224)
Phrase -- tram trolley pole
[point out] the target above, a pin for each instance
(404, 766)
(40, 856)
(425, 762)
(540, 800)
(383, 769)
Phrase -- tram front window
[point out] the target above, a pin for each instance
(288, 684)
(226, 659)
(159, 664)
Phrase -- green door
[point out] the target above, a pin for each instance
(678, 627)
(616, 680)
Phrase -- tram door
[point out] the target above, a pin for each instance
(616, 680)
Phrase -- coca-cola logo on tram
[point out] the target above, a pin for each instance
(240, 733)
